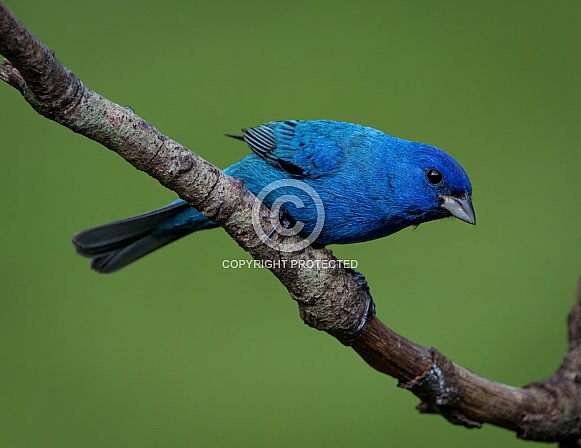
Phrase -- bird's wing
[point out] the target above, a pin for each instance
(301, 148)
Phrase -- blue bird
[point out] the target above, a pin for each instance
(369, 184)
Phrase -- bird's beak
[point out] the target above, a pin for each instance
(460, 207)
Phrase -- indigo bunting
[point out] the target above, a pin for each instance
(368, 185)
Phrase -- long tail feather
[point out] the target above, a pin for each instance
(117, 244)
(113, 261)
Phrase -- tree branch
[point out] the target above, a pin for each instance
(335, 300)
(55, 92)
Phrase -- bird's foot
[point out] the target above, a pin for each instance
(283, 222)
(368, 310)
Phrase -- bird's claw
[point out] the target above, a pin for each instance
(347, 338)
(282, 220)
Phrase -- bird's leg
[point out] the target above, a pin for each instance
(283, 220)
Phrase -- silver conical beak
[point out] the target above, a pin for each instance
(460, 207)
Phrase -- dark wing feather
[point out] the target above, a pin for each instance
(310, 149)
(262, 141)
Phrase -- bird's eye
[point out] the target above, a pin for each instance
(434, 176)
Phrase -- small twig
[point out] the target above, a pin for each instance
(10, 76)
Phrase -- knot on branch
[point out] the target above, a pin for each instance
(439, 389)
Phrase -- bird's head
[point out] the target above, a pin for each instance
(435, 185)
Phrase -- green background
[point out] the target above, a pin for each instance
(177, 351)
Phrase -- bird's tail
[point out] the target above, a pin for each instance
(117, 244)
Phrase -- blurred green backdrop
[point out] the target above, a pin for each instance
(176, 350)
